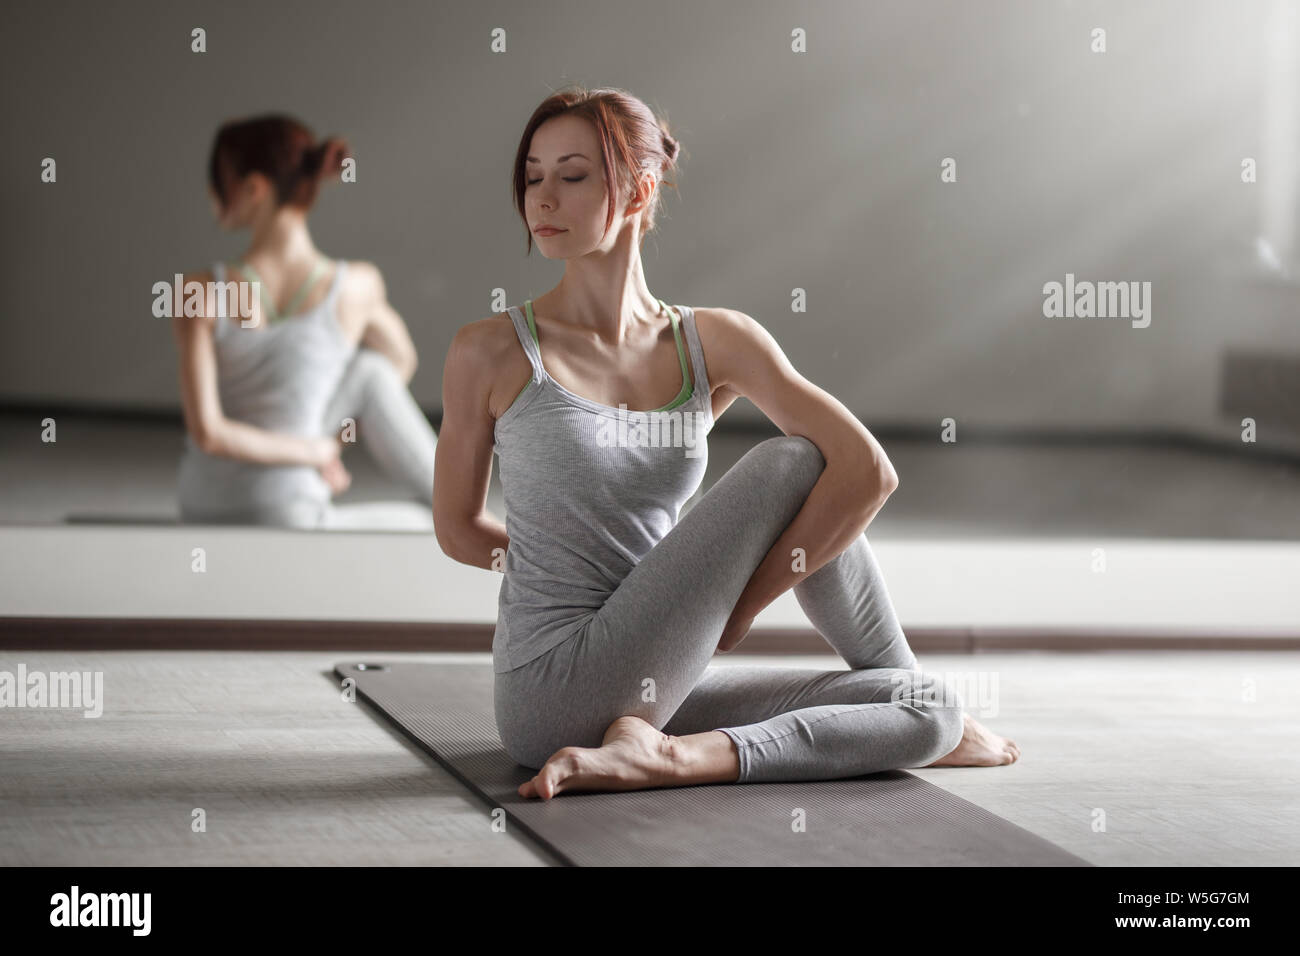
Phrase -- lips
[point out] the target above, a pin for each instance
(548, 231)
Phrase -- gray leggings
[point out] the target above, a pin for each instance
(646, 651)
(393, 430)
(389, 425)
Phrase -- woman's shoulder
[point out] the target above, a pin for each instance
(715, 326)
(485, 355)
(724, 324)
(185, 317)
(362, 269)
(730, 337)
(711, 316)
(362, 278)
(488, 338)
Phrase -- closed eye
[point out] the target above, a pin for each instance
(533, 182)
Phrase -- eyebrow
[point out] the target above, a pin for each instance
(534, 159)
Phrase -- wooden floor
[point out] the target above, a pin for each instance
(1189, 758)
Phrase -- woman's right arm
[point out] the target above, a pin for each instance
(209, 428)
(466, 530)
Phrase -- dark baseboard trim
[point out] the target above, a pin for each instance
(97, 633)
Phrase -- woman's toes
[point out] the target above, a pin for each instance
(547, 780)
(550, 779)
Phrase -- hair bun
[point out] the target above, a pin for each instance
(670, 146)
(324, 158)
(336, 150)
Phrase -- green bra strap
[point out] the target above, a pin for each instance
(532, 326)
(267, 304)
(316, 273)
(273, 315)
(687, 386)
(681, 351)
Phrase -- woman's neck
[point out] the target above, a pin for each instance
(282, 239)
(606, 295)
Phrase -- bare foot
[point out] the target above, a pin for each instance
(979, 747)
(632, 756)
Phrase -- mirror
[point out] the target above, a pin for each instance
(1056, 280)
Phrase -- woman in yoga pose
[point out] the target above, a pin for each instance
(271, 399)
(611, 608)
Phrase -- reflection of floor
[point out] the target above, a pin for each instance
(1036, 587)
(1186, 771)
(946, 491)
(982, 537)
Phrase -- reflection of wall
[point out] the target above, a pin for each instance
(817, 171)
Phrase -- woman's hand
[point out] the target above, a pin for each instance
(331, 469)
(336, 476)
(323, 450)
(735, 631)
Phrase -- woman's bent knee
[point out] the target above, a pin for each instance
(793, 455)
(368, 362)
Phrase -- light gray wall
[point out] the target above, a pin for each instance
(817, 171)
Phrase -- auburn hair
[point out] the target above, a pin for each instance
(632, 141)
(280, 148)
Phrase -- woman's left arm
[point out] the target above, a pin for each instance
(853, 486)
(385, 332)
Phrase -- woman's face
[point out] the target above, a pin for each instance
(566, 188)
(243, 198)
(218, 213)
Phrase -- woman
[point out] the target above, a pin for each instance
(271, 398)
(611, 608)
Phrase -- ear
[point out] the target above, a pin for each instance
(645, 189)
(258, 188)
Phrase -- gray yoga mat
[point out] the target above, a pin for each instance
(885, 819)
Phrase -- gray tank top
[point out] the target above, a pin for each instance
(589, 490)
(280, 378)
